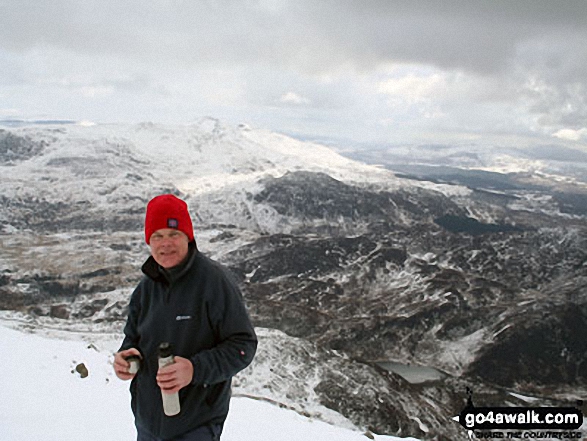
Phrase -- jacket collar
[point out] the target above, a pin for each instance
(159, 274)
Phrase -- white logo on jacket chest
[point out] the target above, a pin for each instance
(179, 318)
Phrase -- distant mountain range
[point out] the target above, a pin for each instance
(473, 271)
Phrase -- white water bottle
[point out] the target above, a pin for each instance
(170, 401)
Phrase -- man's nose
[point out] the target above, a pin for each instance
(166, 241)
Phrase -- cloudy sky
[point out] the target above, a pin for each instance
(363, 71)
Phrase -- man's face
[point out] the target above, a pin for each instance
(169, 247)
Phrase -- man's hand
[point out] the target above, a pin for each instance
(176, 376)
(121, 365)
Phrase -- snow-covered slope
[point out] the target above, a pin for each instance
(203, 156)
(44, 397)
(110, 171)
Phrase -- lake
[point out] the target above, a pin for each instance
(412, 373)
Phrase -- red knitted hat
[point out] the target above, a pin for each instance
(167, 211)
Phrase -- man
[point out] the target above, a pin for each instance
(191, 302)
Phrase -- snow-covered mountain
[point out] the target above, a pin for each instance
(480, 277)
(119, 166)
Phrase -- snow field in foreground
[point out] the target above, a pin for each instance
(44, 398)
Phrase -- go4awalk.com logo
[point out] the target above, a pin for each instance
(521, 422)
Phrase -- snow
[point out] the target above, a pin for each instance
(524, 397)
(459, 353)
(201, 157)
(216, 168)
(45, 398)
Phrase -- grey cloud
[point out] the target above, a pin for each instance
(478, 36)
(279, 47)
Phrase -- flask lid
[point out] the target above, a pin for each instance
(165, 350)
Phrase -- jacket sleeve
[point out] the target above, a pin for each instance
(131, 335)
(237, 341)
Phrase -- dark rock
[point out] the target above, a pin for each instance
(118, 310)
(225, 235)
(99, 273)
(311, 196)
(90, 309)
(464, 224)
(60, 312)
(82, 370)
(545, 348)
(15, 148)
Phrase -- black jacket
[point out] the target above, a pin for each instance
(200, 311)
